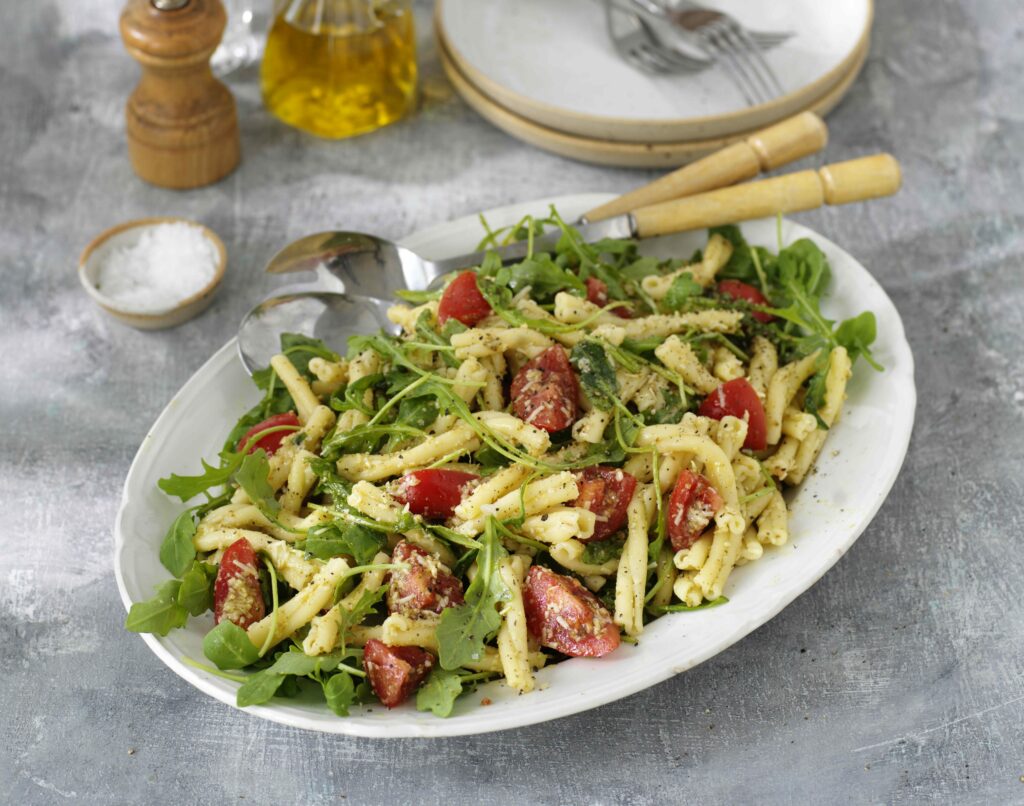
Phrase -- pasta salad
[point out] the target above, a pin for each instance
(541, 459)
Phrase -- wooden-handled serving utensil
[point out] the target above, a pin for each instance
(766, 150)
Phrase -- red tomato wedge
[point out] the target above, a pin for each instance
(694, 502)
(395, 672)
(597, 292)
(462, 300)
(434, 494)
(605, 491)
(737, 289)
(271, 442)
(563, 615)
(737, 398)
(545, 392)
(236, 591)
(427, 585)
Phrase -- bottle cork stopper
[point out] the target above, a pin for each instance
(181, 122)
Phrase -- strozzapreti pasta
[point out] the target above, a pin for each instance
(542, 458)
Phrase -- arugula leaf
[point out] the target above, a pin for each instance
(252, 477)
(544, 277)
(158, 615)
(188, 487)
(597, 375)
(258, 688)
(438, 694)
(857, 334)
(640, 268)
(426, 332)
(228, 646)
(196, 592)
(601, 551)
(340, 693)
(368, 601)
(463, 630)
(418, 297)
(177, 550)
(331, 539)
(300, 349)
(681, 608)
(682, 289)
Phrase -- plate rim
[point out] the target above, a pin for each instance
(654, 130)
(614, 152)
(607, 691)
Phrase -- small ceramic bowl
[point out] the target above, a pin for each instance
(125, 235)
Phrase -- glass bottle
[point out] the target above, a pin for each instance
(339, 68)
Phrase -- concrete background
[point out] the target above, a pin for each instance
(896, 679)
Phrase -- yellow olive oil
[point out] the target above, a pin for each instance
(339, 68)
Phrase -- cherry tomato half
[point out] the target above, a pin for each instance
(271, 442)
(545, 392)
(563, 615)
(462, 300)
(427, 585)
(605, 491)
(737, 289)
(236, 591)
(694, 502)
(737, 398)
(597, 292)
(434, 494)
(395, 672)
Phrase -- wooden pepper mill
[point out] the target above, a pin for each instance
(181, 121)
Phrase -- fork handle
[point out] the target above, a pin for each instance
(765, 150)
(839, 183)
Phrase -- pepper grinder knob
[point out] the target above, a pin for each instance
(181, 122)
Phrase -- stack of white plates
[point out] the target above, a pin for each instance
(548, 74)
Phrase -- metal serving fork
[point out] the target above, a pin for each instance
(636, 43)
(722, 38)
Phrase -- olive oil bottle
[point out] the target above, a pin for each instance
(338, 68)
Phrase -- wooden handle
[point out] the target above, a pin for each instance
(766, 150)
(840, 183)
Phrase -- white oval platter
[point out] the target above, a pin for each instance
(858, 467)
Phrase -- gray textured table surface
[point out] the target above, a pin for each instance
(897, 678)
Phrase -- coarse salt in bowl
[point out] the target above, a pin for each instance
(153, 273)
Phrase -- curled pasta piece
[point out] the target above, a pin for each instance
(537, 497)
(590, 427)
(693, 558)
(687, 591)
(243, 515)
(405, 316)
(679, 357)
(631, 579)
(783, 387)
(470, 378)
(330, 375)
(535, 440)
(798, 424)
(560, 524)
(716, 255)
(730, 434)
(298, 611)
(773, 525)
(301, 479)
(297, 386)
(374, 467)
(513, 639)
(839, 370)
(726, 366)
(725, 548)
(569, 553)
(764, 361)
(490, 490)
(482, 342)
(709, 321)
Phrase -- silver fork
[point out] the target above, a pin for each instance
(722, 38)
(636, 43)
